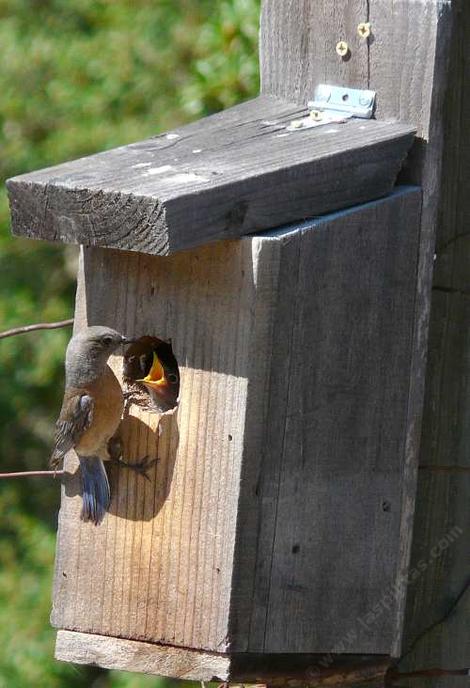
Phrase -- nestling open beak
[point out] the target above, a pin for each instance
(156, 375)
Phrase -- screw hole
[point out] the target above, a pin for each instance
(345, 97)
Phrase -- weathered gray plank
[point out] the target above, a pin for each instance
(400, 60)
(439, 594)
(347, 421)
(438, 33)
(228, 175)
(408, 65)
(324, 483)
(298, 46)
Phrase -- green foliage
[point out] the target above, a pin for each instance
(80, 76)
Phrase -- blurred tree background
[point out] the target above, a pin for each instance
(77, 77)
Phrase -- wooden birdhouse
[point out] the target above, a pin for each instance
(271, 245)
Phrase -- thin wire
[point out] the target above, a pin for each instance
(32, 474)
(38, 326)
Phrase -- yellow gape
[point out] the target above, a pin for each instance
(156, 375)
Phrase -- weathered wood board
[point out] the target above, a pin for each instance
(285, 464)
(438, 620)
(417, 60)
(301, 671)
(225, 176)
(131, 655)
(334, 480)
(400, 60)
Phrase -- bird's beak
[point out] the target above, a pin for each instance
(128, 340)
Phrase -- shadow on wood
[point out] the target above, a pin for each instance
(132, 495)
(280, 670)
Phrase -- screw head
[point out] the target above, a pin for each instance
(316, 115)
(364, 100)
(364, 30)
(342, 48)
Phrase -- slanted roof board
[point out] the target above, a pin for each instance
(225, 176)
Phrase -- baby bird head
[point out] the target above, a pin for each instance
(150, 362)
(88, 352)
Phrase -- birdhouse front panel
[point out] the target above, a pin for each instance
(160, 566)
(276, 518)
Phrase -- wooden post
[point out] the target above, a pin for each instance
(438, 614)
(417, 59)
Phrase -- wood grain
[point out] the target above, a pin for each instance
(440, 108)
(400, 60)
(298, 46)
(159, 567)
(275, 670)
(418, 62)
(287, 446)
(326, 493)
(130, 655)
(439, 601)
(225, 176)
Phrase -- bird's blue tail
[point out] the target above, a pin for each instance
(95, 490)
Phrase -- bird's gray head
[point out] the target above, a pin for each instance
(88, 352)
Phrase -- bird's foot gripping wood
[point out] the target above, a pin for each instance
(115, 452)
(141, 467)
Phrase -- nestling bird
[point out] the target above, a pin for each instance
(150, 361)
(91, 413)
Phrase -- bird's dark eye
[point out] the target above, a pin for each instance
(171, 377)
(107, 340)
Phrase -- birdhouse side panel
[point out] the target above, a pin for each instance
(329, 507)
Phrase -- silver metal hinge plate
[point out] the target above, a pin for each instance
(335, 104)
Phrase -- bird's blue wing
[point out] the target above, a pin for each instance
(75, 417)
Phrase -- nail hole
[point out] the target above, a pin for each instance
(345, 97)
(295, 549)
(230, 438)
(386, 505)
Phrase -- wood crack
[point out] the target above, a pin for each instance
(444, 469)
(452, 608)
(443, 247)
(451, 290)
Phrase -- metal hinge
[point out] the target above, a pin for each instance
(336, 104)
